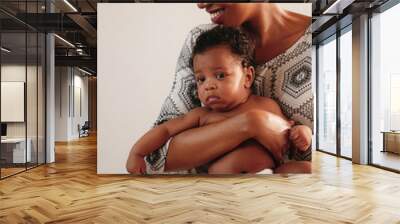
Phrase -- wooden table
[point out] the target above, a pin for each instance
(391, 141)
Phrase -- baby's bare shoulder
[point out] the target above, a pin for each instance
(263, 101)
(265, 104)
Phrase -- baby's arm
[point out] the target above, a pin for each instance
(158, 136)
(301, 136)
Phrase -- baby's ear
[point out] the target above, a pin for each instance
(249, 76)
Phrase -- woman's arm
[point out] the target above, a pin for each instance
(198, 146)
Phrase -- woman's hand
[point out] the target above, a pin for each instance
(271, 130)
(301, 136)
(137, 165)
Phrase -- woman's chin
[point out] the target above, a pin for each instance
(218, 23)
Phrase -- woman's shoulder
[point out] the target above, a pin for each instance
(301, 24)
(298, 51)
(308, 32)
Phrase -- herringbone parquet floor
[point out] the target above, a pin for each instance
(70, 191)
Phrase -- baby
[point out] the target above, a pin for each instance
(222, 65)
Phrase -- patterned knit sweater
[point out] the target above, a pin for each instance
(286, 79)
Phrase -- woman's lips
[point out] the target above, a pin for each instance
(212, 99)
(216, 15)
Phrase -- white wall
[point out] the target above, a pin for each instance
(15, 72)
(68, 80)
(138, 45)
(80, 115)
(61, 103)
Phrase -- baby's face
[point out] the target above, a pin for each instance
(222, 82)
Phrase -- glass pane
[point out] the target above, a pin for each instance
(13, 86)
(22, 67)
(327, 96)
(41, 98)
(385, 86)
(346, 94)
(31, 101)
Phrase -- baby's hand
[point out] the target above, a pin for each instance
(139, 165)
(301, 136)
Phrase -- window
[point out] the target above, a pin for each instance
(385, 87)
(346, 93)
(327, 96)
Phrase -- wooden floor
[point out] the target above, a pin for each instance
(387, 159)
(70, 191)
(10, 171)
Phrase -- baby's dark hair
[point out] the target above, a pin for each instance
(236, 39)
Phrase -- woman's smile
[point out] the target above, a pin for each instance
(216, 15)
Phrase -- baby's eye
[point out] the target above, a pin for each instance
(200, 80)
(220, 75)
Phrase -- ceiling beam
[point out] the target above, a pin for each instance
(85, 61)
(84, 24)
(337, 7)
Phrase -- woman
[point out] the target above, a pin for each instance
(283, 43)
